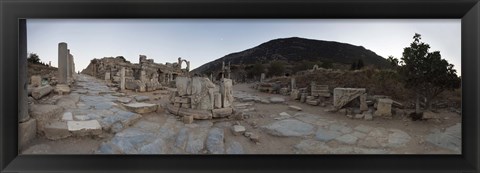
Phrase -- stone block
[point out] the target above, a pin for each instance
(183, 100)
(295, 94)
(188, 119)
(303, 97)
(342, 96)
(62, 89)
(222, 112)
(36, 81)
(84, 128)
(41, 91)
(44, 114)
(141, 108)
(217, 100)
(183, 85)
(186, 105)
(26, 132)
(57, 130)
(313, 102)
(196, 113)
(384, 107)
(295, 108)
(142, 98)
(238, 129)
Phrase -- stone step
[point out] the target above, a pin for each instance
(141, 108)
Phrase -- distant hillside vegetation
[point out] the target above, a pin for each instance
(293, 51)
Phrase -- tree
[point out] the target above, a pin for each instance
(256, 70)
(393, 61)
(353, 66)
(426, 72)
(276, 68)
(303, 65)
(360, 64)
(33, 58)
(326, 64)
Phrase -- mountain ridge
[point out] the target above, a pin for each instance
(296, 49)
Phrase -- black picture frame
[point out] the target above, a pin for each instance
(12, 47)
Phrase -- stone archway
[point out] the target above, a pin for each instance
(180, 61)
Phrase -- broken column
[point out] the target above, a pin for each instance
(122, 79)
(262, 77)
(226, 92)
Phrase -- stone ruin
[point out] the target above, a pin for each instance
(199, 98)
(41, 86)
(142, 77)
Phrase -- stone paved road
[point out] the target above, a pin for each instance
(92, 100)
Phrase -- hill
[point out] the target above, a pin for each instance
(294, 50)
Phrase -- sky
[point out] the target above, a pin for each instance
(203, 40)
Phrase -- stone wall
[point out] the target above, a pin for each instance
(144, 76)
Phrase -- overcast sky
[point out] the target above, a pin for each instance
(203, 40)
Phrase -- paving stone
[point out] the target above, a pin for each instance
(67, 116)
(181, 140)
(340, 128)
(235, 148)
(83, 128)
(363, 128)
(196, 140)
(82, 117)
(289, 127)
(326, 135)
(398, 138)
(215, 141)
(450, 139)
(359, 134)
(347, 139)
(306, 117)
(156, 147)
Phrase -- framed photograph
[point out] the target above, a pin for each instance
(240, 86)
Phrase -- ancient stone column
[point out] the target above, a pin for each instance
(293, 84)
(226, 92)
(62, 62)
(122, 79)
(262, 77)
(223, 69)
(22, 74)
(69, 67)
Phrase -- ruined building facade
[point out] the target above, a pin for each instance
(144, 76)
